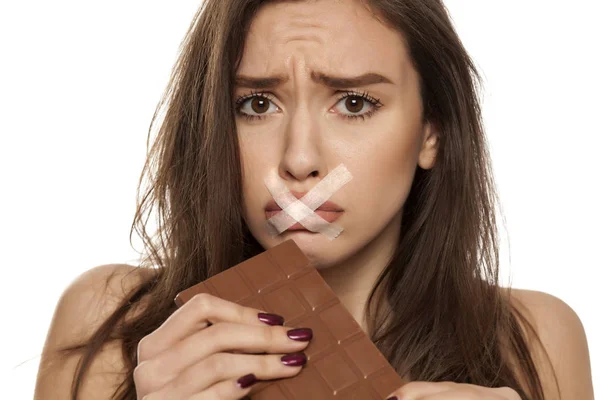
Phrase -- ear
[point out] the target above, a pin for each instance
(429, 147)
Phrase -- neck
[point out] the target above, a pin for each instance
(353, 279)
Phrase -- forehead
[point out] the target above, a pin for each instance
(331, 35)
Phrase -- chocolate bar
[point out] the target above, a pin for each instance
(342, 363)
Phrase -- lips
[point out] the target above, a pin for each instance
(328, 216)
(328, 206)
(329, 211)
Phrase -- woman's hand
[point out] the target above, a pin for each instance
(189, 357)
(451, 391)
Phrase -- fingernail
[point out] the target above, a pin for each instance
(270, 319)
(294, 360)
(246, 380)
(301, 334)
(392, 398)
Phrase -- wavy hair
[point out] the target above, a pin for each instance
(458, 325)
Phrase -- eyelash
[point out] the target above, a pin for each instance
(267, 96)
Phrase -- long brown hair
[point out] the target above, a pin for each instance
(448, 320)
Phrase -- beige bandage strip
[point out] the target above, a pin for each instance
(303, 210)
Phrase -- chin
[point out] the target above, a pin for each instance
(321, 252)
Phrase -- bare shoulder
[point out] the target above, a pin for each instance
(83, 306)
(563, 337)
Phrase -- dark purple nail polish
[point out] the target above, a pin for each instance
(301, 334)
(270, 319)
(246, 380)
(392, 398)
(294, 360)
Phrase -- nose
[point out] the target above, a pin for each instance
(302, 157)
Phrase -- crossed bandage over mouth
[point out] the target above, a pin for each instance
(303, 210)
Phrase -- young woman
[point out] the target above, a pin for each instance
(291, 91)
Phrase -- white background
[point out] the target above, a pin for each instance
(79, 82)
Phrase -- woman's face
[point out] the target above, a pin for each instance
(302, 127)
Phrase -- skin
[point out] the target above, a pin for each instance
(302, 141)
(302, 136)
(303, 132)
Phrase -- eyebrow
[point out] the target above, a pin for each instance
(335, 82)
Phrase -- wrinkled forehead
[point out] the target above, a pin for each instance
(323, 36)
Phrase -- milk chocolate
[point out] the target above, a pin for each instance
(343, 363)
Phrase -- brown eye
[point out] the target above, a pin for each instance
(259, 105)
(354, 104)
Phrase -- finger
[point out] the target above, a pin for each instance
(220, 337)
(200, 311)
(226, 390)
(231, 337)
(225, 367)
(419, 389)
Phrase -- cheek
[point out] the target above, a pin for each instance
(383, 176)
(255, 166)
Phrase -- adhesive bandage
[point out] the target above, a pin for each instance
(303, 210)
